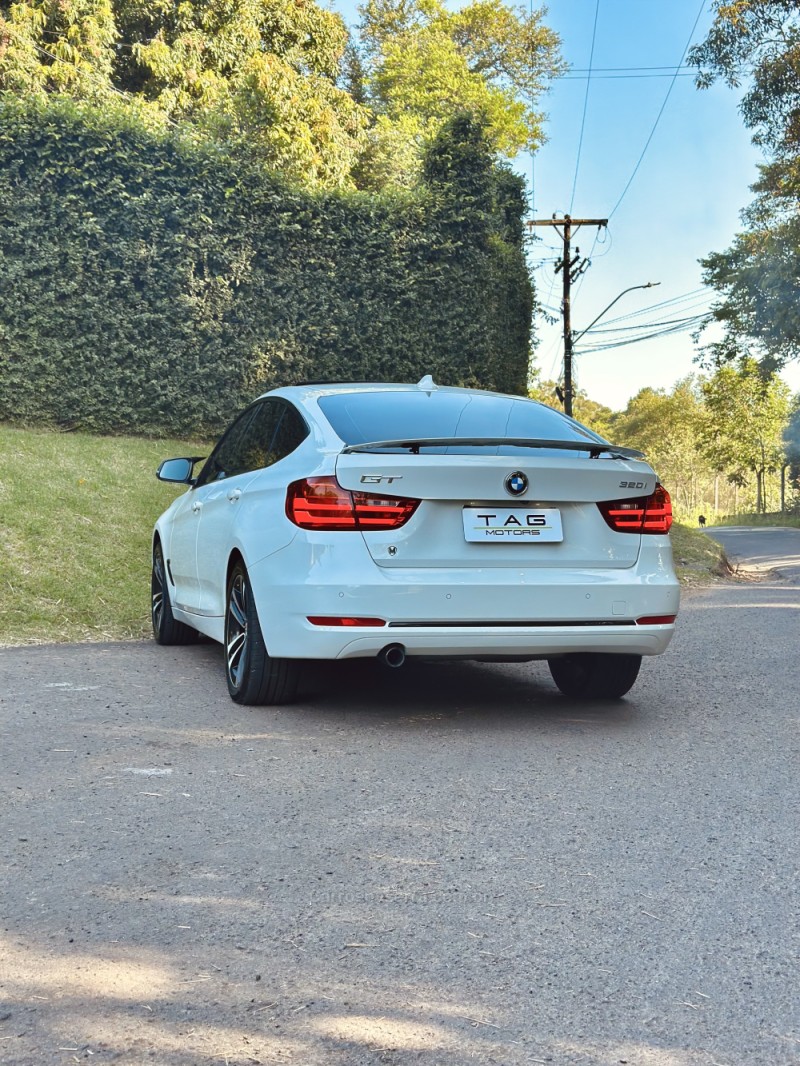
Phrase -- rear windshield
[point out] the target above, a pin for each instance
(362, 417)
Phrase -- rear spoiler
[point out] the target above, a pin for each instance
(413, 445)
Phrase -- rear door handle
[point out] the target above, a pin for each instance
(234, 494)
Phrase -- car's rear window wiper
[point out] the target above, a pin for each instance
(414, 444)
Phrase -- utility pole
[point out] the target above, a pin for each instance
(571, 268)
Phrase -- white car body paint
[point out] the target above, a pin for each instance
(438, 594)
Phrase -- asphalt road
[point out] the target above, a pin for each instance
(441, 865)
(762, 551)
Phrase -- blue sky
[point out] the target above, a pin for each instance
(683, 202)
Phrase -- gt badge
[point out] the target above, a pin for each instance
(516, 483)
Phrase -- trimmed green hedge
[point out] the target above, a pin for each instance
(151, 286)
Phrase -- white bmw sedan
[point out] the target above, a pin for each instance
(336, 521)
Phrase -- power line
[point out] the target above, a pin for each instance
(661, 112)
(605, 70)
(646, 325)
(624, 77)
(585, 105)
(693, 296)
(684, 327)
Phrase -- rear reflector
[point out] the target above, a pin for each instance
(320, 620)
(657, 620)
(322, 503)
(647, 514)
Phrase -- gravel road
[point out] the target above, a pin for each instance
(443, 865)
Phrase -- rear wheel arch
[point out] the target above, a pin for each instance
(234, 559)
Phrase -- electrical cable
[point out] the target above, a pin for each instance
(661, 111)
(605, 70)
(646, 325)
(693, 296)
(585, 105)
(621, 77)
(684, 327)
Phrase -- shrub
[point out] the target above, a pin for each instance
(152, 285)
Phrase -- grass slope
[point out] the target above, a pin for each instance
(698, 559)
(76, 514)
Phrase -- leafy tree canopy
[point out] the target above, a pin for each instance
(419, 63)
(282, 79)
(260, 72)
(586, 410)
(57, 46)
(747, 412)
(758, 278)
(757, 43)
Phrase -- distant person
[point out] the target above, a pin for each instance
(701, 521)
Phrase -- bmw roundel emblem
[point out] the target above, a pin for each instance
(516, 483)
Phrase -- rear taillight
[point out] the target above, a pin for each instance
(322, 503)
(647, 514)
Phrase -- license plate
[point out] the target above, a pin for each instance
(521, 524)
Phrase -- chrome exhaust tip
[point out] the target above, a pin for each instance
(393, 655)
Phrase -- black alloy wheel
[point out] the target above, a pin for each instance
(253, 676)
(166, 630)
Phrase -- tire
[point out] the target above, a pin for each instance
(253, 676)
(594, 676)
(166, 630)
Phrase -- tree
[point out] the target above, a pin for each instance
(63, 46)
(747, 412)
(421, 63)
(667, 427)
(587, 411)
(791, 442)
(261, 74)
(260, 71)
(758, 277)
(757, 42)
(282, 82)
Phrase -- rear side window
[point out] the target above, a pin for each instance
(362, 417)
(261, 436)
(290, 434)
(230, 457)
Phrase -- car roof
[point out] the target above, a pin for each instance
(316, 389)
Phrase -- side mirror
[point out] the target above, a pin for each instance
(178, 470)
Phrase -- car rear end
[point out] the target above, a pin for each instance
(450, 523)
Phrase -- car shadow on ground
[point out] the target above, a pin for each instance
(422, 690)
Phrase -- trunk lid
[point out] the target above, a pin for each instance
(565, 485)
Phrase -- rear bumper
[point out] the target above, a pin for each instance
(473, 643)
(460, 613)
